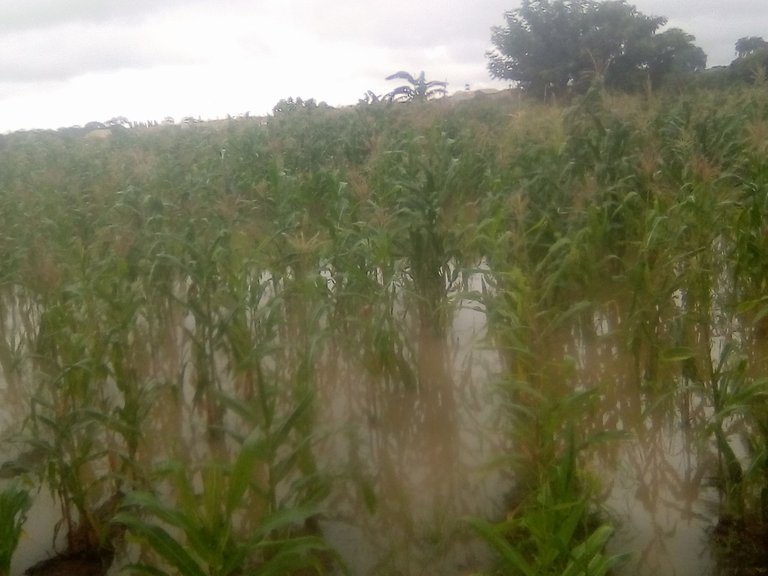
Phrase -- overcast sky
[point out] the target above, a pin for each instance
(67, 62)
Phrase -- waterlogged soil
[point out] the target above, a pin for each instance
(742, 549)
(83, 564)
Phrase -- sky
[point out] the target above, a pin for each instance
(68, 62)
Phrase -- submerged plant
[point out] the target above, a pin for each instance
(210, 544)
(225, 518)
(553, 530)
(198, 534)
(15, 502)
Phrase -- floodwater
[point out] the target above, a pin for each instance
(433, 456)
(663, 506)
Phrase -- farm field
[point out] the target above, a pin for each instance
(491, 336)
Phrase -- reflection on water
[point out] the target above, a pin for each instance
(659, 479)
(413, 461)
(35, 544)
(424, 451)
(663, 504)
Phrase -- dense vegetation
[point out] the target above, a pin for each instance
(557, 48)
(218, 333)
(551, 47)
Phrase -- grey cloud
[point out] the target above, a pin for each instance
(685, 10)
(400, 23)
(717, 24)
(404, 24)
(35, 14)
(67, 51)
(44, 42)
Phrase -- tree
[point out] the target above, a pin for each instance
(752, 64)
(674, 54)
(119, 121)
(618, 41)
(551, 46)
(418, 89)
(288, 105)
(749, 45)
(537, 46)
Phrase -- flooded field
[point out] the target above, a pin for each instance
(413, 464)
(491, 338)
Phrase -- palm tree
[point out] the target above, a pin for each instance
(419, 89)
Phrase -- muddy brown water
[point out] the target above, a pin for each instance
(432, 459)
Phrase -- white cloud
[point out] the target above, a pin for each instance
(71, 62)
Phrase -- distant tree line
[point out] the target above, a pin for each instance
(749, 66)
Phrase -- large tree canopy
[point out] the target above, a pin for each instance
(674, 53)
(749, 45)
(548, 46)
(751, 59)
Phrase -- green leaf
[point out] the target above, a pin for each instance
(588, 558)
(511, 557)
(213, 490)
(242, 470)
(301, 409)
(162, 543)
(294, 554)
(290, 517)
(149, 503)
(369, 495)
